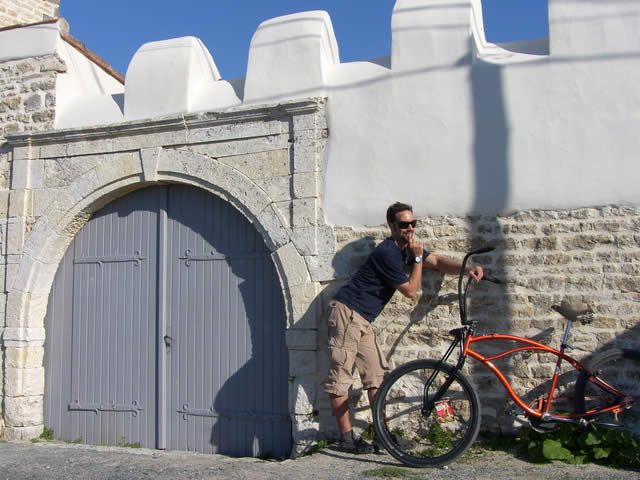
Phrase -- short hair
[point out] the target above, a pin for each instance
(395, 208)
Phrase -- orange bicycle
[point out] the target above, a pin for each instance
(427, 413)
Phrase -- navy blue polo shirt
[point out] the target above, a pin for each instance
(375, 282)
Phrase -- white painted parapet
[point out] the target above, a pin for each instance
(291, 57)
(173, 77)
(487, 128)
(428, 33)
(32, 41)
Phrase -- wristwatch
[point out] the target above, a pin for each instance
(418, 259)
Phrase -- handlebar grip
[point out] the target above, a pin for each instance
(482, 250)
(492, 279)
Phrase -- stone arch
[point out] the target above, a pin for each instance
(53, 232)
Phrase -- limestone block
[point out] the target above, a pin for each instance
(306, 304)
(21, 433)
(83, 186)
(289, 57)
(36, 176)
(56, 212)
(24, 411)
(20, 203)
(314, 240)
(88, 147)
(151, 139)
(23, 337)
(305, 125)
(117, 166)
(307, 156)
(304, 395)
(26, 310)
(52, 150)
(26, 152)
(285, 211)
(241, 146)
(260, 165)
(60, 172)
(277, 188)
(291, 266)
(44, 244)
(149, 158)
(273, 228)
(302, 363)
(15, 236)
(323, 268)
(306, 184)
(24, 381)
(4, 203)
(20, 174)
(305, 432)
(306, 212)
(237, 130)
(299, 339)
(29, 357)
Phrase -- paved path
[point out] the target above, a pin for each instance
(54, 460)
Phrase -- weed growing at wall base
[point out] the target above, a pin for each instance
(571, 444)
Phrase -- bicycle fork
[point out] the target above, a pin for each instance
(429, 403)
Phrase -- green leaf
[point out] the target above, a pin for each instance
(553, 450)
(577, 459)
(599, 453)
(592, 439)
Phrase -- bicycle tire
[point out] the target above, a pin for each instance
(621, 369)
(423, 441)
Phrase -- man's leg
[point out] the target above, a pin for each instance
(340, 405)
(371, 393)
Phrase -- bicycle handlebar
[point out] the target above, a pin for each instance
(461, 292)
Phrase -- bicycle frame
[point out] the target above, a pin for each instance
(464, 339)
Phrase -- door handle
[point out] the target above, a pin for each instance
(167, 340)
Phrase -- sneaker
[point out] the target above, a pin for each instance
(378, 444)
(358, 447)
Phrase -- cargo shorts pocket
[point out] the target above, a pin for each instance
(339, 357)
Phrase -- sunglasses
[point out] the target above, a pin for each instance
(404, 225)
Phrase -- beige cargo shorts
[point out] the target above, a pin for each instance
(352, 342)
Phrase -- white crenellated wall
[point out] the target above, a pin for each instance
(451, 123)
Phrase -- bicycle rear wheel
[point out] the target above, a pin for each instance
(437, 437)
(620, 369)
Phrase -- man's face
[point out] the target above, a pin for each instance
(401, 235)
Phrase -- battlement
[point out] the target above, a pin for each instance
(445, 96)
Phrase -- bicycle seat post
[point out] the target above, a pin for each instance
(565, 339)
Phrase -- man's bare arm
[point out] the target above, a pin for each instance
(451, 267)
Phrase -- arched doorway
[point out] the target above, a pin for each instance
(165, 327)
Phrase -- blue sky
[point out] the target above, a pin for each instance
(115, 29)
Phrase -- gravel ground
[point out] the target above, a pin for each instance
(55, 460)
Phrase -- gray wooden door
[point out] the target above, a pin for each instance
(166, 328)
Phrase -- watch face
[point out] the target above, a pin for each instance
(418, 259)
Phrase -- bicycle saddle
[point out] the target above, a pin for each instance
(579, 312)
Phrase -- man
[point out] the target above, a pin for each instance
(356, 306)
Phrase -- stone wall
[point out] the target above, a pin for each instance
(27, 104)
(266, 161)
(590, 255)
(27, 94)
(14, 12)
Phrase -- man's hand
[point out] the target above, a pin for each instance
(415, 247)
(476, 272)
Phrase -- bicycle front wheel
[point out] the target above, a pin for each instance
(426, 439)
(620, 369)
